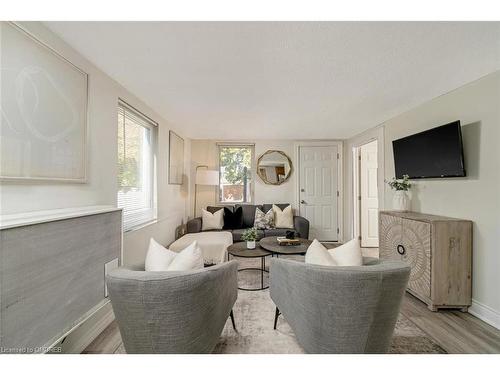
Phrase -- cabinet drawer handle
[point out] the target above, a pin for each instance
(401, 250)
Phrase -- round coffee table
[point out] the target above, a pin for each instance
(239, 250)
(271, 244)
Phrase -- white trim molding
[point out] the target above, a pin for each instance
(485, 313)
(340, 178)
(36, 217)
(88, 331)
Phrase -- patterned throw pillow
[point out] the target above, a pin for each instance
(263, 220)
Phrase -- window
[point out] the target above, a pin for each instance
(136, 142)
(235, 173)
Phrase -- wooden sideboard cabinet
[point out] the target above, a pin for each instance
(439, 251)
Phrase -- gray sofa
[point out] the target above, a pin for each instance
(301, 225)
(340, 309)
(173, 312)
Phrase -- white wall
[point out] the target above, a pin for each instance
(101, 187)
(475, 197)
(204, 152)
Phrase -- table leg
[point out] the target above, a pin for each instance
(276, 315)
(263, 265)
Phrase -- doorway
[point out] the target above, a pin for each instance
(366, 193)
(319, 192)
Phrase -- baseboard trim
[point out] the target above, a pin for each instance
(485, 313)
(85, 334)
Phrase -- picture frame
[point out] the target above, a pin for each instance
(42, 139)
(175, 159)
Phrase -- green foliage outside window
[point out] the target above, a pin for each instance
(130, 139)
(235, 162)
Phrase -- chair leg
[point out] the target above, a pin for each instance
(232, 319)
(276, 314)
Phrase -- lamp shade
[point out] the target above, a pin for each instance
(207, 177)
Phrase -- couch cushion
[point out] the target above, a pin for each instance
(248, 214)
(268, 206)
(348, 254)
(275, 232)
(160, 258)
(213, 209)
(233, 219)
(190, 258)
(318, 254)
(263, 220)
(283, 218)
(238, 232)
(212, 220)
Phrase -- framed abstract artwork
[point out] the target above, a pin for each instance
(43, 111)
(175, 159)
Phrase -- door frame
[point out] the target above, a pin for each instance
(370, 135)
(356, 185)
(340, 180)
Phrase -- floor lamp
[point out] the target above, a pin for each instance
(204, 177)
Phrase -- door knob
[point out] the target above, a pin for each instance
(302, 202)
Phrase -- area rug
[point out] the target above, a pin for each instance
(254, 315)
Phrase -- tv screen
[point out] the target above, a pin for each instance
(433, 153)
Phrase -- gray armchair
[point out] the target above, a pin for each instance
(173, 312)
(339, 309)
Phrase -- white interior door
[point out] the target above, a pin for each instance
(369, 194)
(318, 195)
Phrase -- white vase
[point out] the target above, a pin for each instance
(401, 201)
(250, 244)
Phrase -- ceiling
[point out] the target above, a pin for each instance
(285, 80)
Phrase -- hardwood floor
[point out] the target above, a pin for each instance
(454, 331)
(107, 342)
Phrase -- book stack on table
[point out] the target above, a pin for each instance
(283, 241)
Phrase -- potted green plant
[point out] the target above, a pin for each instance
(250, 236)
(400, 200)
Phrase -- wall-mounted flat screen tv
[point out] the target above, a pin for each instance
(433, 153)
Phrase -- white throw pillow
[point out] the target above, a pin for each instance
(283, 218)
(191, 258)
(318, 254)
(158, 258)
(348, 254)
(212, 220)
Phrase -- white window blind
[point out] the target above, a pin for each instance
(136, 140)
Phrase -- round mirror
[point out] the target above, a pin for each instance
(274, 167)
